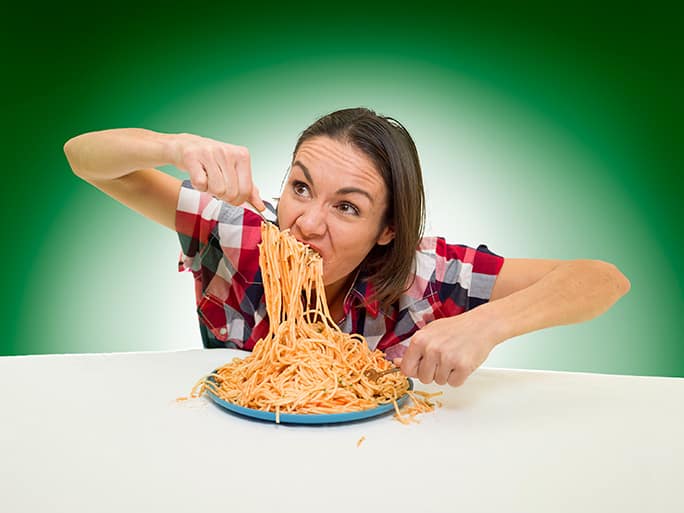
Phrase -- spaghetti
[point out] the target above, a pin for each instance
(305, 364)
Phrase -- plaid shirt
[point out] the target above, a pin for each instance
(219, 246)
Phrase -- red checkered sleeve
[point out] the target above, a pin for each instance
(466, 276)
(196, 217)
(219, 245)
(450, 279)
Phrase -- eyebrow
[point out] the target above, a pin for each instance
(343, 190)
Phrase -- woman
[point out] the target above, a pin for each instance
(354, 193)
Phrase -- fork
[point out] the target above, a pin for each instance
(374, 375)
(270, 211)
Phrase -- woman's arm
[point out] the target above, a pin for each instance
(528, 295)
(121, 162)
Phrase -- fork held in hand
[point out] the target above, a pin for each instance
(269, 214)
(374, 375)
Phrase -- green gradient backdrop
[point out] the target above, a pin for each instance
(542, 134)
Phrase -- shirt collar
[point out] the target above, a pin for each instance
(360, 295)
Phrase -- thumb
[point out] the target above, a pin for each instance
(255, 199)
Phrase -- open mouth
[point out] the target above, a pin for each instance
(312, 246)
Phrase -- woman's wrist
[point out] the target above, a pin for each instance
(169, 148)
(495, 327)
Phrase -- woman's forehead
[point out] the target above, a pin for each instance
(324, 155)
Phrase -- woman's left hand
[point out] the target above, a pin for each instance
(448, 350)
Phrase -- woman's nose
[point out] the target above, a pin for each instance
(311, 222)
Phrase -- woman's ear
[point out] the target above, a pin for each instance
(386, 236)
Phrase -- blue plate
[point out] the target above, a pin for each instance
(323, 418)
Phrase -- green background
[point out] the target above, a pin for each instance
(552, 134)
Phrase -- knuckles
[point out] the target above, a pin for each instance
(219, 192)
(193, 154)
(242, 152)
(199, 181)
(455, 362)
(440, 381)
(419, 340)
(455, 359)
(456, 380)
(231, 196)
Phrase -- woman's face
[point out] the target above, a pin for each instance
(334, 200)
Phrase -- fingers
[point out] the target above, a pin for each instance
(246, 190)
(245, 186)
(421, 359)
(442, 374)
(431, 359)
(221, 169)
(457, 377)
(198, 176)
(411, 360)
(206, 173)
(217, 179)
(428, 367)
(255, 199)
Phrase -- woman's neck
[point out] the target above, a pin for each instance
(335, 294)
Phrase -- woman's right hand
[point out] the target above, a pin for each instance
(221, 169)
(123, 162)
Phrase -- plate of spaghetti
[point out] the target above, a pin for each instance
(305, 370)
(313, 418)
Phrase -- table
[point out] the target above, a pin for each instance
(104, 432)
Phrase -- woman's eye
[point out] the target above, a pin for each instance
(348, 208)
(300, 188)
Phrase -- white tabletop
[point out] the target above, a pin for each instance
(104, 433)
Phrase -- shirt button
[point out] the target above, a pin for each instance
(223, 331)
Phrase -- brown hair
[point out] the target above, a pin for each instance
(388, 144)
